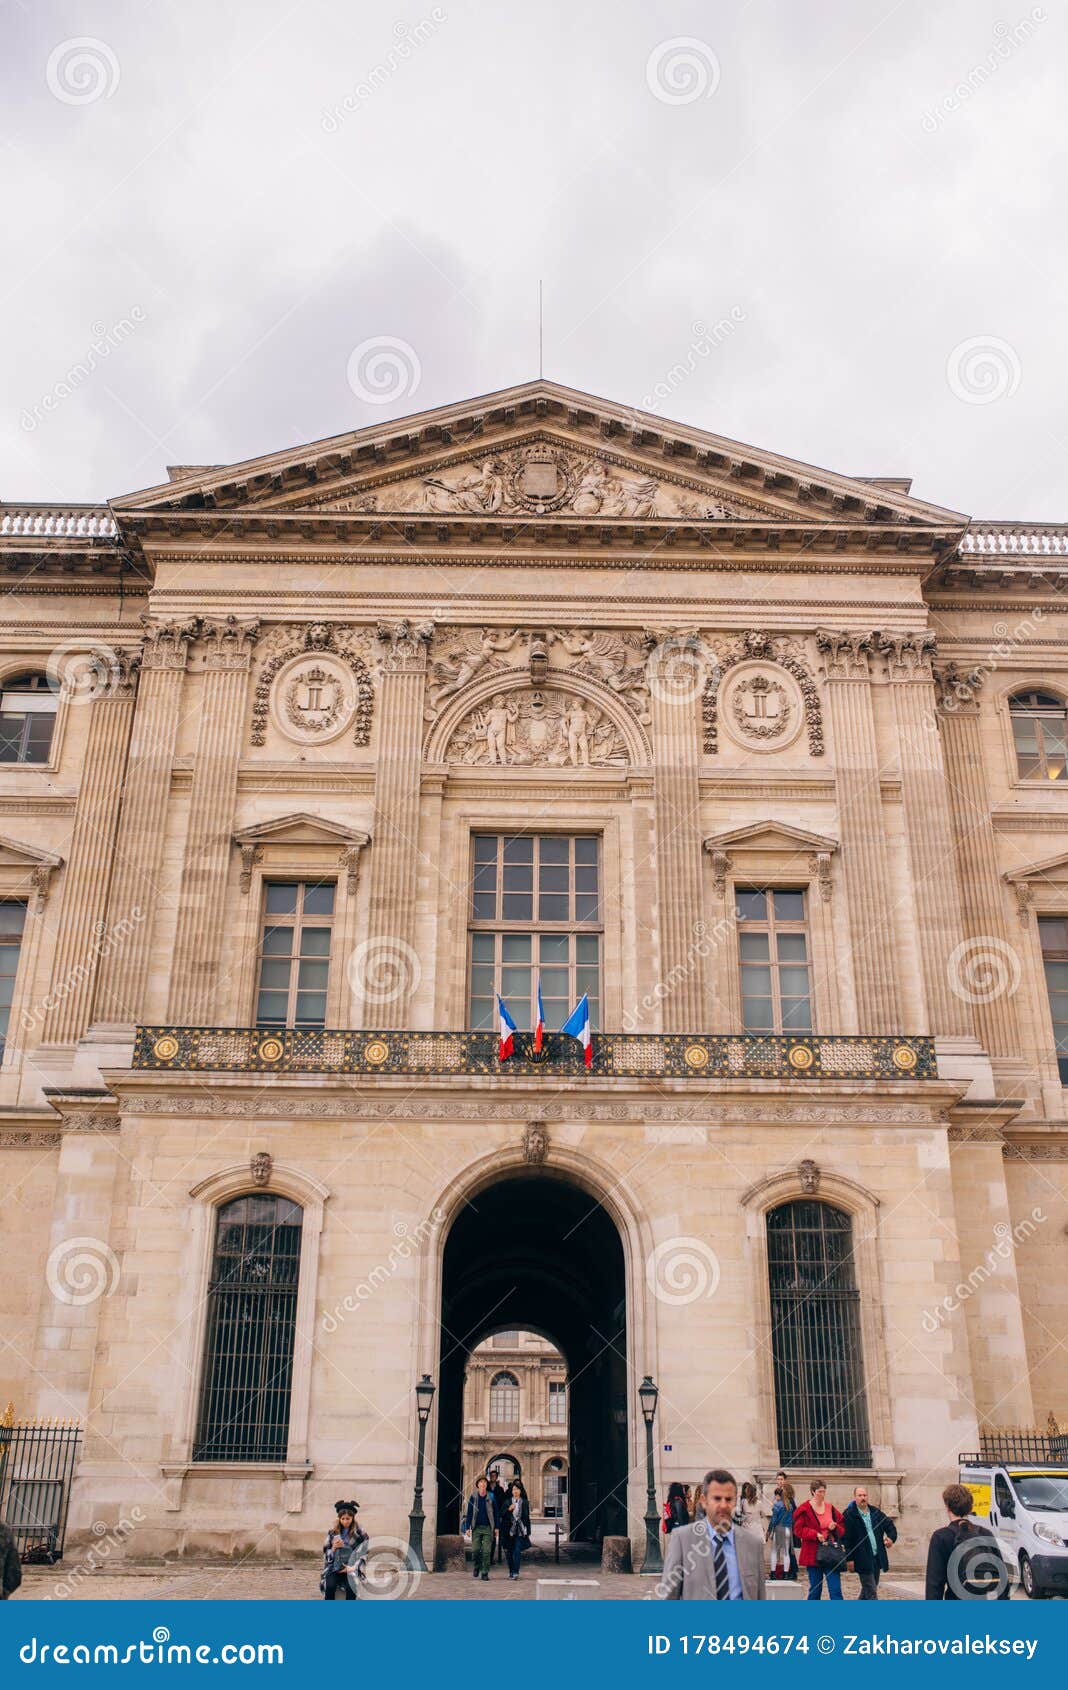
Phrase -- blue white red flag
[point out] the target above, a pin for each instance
(578, 1025)
(508, 1030)
(539, 1030)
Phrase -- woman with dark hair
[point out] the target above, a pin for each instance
(820, 1528)
(676, 1513)
(515, 1526)
(341, 1550)
(964, 1562)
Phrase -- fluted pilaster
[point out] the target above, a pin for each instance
(981, 890)
(676, 680)
(928, 829)
(860, 821)
(386, 964)
(135, 882)
(202, 899)
(80, 932)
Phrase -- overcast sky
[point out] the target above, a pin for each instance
(835, 229)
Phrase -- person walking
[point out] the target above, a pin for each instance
(500, 1497)
(747, 1513)
(10, 1565)
(781, 1532)
(481, 1526)
(819, 1525)
(964, 1559)
(676, 1513)
(712, 1559)
(341, 1551)
(515, 1527)
(789, 1494)
(867, 1532)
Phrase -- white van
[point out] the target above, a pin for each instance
(1026, 1505)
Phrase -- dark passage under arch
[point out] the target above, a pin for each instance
(536, 1252)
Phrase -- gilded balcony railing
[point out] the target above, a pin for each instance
(654, 1056)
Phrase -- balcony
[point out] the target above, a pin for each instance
(623, 1056)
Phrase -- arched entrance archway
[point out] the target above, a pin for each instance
(537, 1252)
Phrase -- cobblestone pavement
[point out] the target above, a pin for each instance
(299, 1583)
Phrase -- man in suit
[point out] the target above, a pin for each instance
(711, 1560)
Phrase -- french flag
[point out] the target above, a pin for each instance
(539, 1031)
(508, 1030)
(578, 1025)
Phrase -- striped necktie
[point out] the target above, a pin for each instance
(719, 1567)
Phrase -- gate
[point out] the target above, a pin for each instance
(37, 1462)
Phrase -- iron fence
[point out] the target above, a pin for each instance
(37, 1463)
(1020, 1446)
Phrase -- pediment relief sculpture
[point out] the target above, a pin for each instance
(314, 683)
(537, 727)
(616, 660)
(545, 479)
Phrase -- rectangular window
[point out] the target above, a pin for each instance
(298, 918)
(557, 1403)
(1053, 931)
(773, 961)
(535, 910)
(12, 922)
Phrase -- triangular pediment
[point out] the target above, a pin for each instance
(770, 836)
(1050, 868)
(299, 829)
(539, 450)
(15, 855)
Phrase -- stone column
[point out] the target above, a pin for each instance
(202, 899)
(860, 819)
(676, 671)
(928, 828)
(135, 881)
(982, 894)
(987, 1285)
(80, 930)
(386, 964)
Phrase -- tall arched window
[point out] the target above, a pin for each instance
(816, 1345)
(504, 1400)
(248, 1358)
(27, 719)
(1038, 733)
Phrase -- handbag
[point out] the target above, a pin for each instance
(830, 1557)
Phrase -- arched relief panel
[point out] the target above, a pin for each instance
(578, 723)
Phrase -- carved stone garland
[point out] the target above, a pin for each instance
(758, 646)
(316, 636)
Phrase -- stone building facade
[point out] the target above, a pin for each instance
(515, 1419)
(302, 759)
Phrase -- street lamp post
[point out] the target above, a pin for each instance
(653, 1562)
(424, 1396)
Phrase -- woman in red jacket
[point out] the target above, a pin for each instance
(818, 1522)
